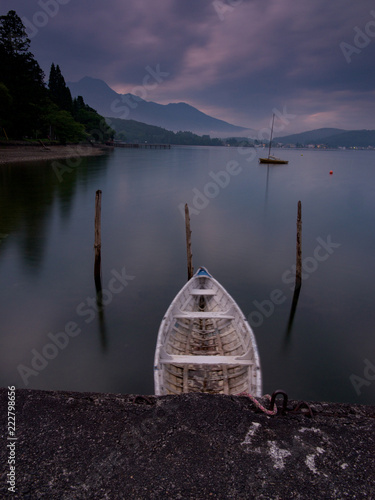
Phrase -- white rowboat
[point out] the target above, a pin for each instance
(205, 343)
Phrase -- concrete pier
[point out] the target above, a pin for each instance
(195, 446)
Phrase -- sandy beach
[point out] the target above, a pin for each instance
(24, 153)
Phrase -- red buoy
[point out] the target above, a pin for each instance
(331, 172)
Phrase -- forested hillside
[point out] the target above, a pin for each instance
(134, 131)
(29, 108)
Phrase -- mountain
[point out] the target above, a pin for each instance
(310, 137)
(174, 116)
(332, 137)
(352, 139)
(132, 131)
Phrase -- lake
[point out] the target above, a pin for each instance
(243, 221)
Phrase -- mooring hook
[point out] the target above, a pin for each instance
(285, 399)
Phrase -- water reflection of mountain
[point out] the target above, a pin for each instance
(28, 194)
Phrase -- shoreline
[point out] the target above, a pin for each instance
(10, 154)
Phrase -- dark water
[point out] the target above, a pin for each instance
(243, 218)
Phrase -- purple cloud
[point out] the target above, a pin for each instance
(236, 60)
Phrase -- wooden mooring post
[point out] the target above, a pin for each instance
(188, 243)
(98, 240)
(298, 282)
(299, 248)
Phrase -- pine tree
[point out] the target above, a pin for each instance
(52, 79)
(13, 36)
(22, 76)
(27, 107)
(60, 93)
(94, 123)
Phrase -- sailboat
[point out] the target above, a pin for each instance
(270, 158)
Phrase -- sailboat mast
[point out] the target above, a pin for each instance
(269, 148)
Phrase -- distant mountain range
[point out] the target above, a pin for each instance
(178, 117)
(135, 132)
(174, 117)
(331, 137)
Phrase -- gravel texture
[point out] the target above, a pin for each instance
(194, 446)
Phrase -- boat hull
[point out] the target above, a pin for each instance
(205, 343)
(273, 161)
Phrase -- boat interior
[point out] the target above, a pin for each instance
(207, 347)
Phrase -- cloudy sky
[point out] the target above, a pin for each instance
(236, 60)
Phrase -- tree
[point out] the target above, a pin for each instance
(5, 100)
(95, 125)
(63, 126)
(52, 84)
(21, 75)
(60, 93)
(27, 107)
(17, 63)
(13, 36)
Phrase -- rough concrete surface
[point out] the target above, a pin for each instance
(194, 446)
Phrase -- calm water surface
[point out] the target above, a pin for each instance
(243, 218)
